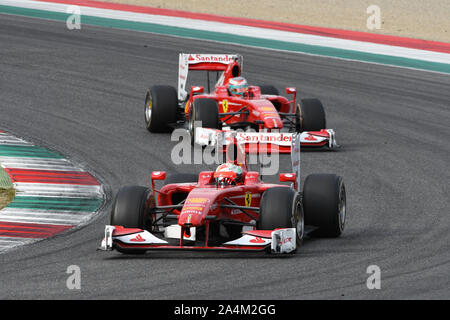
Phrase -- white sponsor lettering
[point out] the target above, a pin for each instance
(212, 58)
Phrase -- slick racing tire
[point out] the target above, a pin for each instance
(131, 207)
(181, 178)
(269, 89)
(281, 207)
(310, 115)
(177, 197)
(161, 105)
(206, 111)
(324, 203)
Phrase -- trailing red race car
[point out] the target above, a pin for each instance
(227, 209)
(232, 104)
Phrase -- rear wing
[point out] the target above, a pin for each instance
(206, 62)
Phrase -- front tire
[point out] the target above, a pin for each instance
(310, 115)
(161, 103)
(281, 207)
(131, 207)
(324, 202)
(181, 178)
(207, 112)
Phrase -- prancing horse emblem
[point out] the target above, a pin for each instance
(225, 105)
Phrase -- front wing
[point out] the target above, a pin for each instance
(267, 142)
(132, 239)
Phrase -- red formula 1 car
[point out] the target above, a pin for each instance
(232, 104)
(230, 209)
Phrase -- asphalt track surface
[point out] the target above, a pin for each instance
(81, 93)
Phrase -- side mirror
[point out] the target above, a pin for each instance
(288, 177)
(158, 175)
(196, 90)
(291, 90)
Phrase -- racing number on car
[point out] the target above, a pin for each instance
(225, 105)
(248, 199)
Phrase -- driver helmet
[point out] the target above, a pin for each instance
(229, 174)
(238, 86)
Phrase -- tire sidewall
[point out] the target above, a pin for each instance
(136, 216)
(298, 218)
(148, 99)
(324, 201)
(342, 206)
(163, 103)
(294, 212)
(310, 115)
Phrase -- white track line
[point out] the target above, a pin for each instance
(44, 216)
(7, 139)
(58, 190)
(38, 164)
(7, 243)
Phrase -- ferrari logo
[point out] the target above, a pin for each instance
(225, 105)
(248, 199)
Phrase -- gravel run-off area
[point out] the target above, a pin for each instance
(428, 20)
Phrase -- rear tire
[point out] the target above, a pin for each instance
(281, 207)
(310, 115)
(204, 110)
(161, 103)
(269, 89)
(324, 202)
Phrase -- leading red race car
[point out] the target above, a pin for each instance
(228, 209)
(232, 104)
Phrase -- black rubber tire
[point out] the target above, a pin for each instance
(130, 209)
(281, 207)
(163, 107)
(269, 89)
(324, 204)
(204, 110)
(181, 178)
(310, 116)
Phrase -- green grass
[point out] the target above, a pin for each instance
(7, 192)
